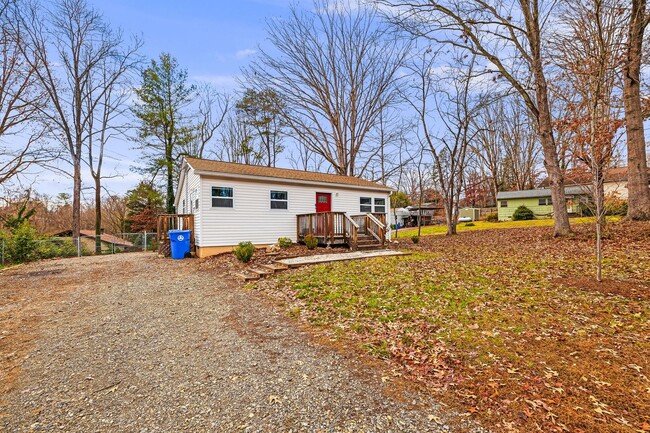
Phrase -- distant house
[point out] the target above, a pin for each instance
(615, 181)
(109, 242)
(538, 200)
(233, 202)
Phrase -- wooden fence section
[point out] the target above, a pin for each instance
(173, 222)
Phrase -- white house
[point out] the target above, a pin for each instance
(233, 202)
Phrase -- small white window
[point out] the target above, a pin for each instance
(365, 204)
(279, 200)
(222, 196)
(380, 205)
(183, 206)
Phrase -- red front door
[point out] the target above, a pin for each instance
(323, 202)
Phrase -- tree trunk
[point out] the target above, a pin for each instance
(451, 221)
(169, 161)
(637, 166)
(551, 162)
(544, 122)
(76, 199)
(98, 215)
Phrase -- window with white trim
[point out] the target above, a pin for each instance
(279, 200)
(380, 205)
(222, 196)
(365, 204)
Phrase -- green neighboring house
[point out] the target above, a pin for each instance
(539, 201)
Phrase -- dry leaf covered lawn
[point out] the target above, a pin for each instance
(441, 229)
(507, 326)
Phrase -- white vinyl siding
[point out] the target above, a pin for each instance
(253, 220)
(190, 191)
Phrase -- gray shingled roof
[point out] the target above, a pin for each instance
(543, 192)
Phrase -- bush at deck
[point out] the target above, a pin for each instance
(311, 241)
(244, 251)
(285, 242)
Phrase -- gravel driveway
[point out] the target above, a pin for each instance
(133, 342)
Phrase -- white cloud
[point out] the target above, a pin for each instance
(226, 82)
(242, 54)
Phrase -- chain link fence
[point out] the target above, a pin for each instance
(13, 252)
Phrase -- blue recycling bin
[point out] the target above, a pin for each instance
(179, 241)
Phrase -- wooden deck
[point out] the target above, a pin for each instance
(168, 222)
(337, 228)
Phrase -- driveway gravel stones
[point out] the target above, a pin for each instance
(136, 343)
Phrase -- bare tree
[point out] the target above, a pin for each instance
(213, 107)
(336, 70)
(589, 52)
(107, 103)
(21, 99)
(115, 213)
(236, 142)
(637, 164)
(302, 158)
(508, 36)
(65, 45)
(488, 147)
(262, 111)
(452, 100)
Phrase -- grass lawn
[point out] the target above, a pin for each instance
(483, 225)
(505, 326)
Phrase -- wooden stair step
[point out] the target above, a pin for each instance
(275, 267)
(295, 265)
(260, 272)
(248, 277)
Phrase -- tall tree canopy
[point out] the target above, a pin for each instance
(164, 129)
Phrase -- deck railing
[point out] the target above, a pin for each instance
(168, 222)
(335, 227)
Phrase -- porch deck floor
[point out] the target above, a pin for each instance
(325, 258)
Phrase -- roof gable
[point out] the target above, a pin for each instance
(231, 168)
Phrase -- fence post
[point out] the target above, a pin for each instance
(144, 244)
(78, 246)
(113, 247)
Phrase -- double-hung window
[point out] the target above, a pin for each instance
(222, 196)
(545, 201)
(279, 200)
(380, 205)
(365, 204)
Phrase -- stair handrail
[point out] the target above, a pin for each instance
(355, 232)
(381, 235)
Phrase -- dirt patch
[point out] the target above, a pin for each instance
(631, 289)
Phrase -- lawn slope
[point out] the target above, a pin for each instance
(507, 326)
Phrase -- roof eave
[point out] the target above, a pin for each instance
(292, 181)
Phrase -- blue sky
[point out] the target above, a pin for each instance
(212, 40)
